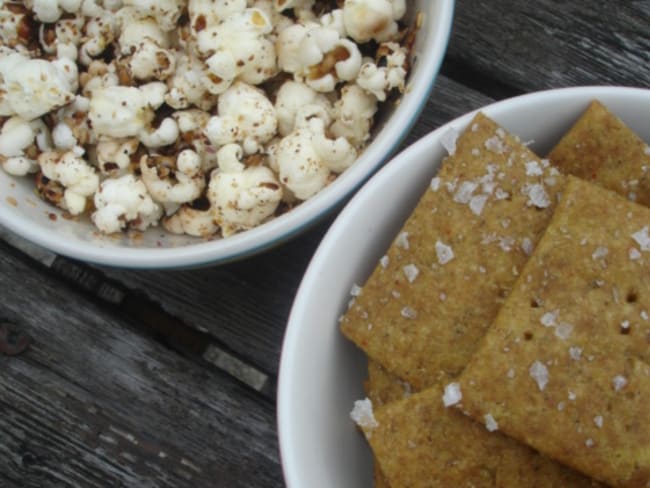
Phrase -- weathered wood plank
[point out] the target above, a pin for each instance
(246, 304)
(92, 403)
(527, 46)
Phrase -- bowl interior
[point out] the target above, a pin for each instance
(25, 214)
(321, 372)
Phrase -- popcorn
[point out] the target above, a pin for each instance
(124, 203)
(372, 19)
(74, 174)
(165, 13)
(32, 87)
(170, 181)
(318, 56)
(381, 80)
(242, 197)
(354, 114)
(124, 111)
(192, 221)
(237, 49)
(294, 97)
(306, 157)
(141, 105)
(51, 10)
(245, 116)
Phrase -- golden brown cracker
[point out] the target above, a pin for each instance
(600, 147)
(566, 365)
(428, 303)
(419, 443)
(383, 387)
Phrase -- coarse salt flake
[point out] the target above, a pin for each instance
(598, 420)
(435, 183)
(534, 169)
(600, 252)
(537, 196)
(383, 261)
(464, 192)
(495, 144)
(589, 442)
(490, 423)
(527, 246)
(501, 194)
(363, 415)
(452, 394)
(511, 373)
(402, 240)
(409, 313)
(549, 318)
(619, 382)
(448, 140)
(642, 239)
(571, 395)
(625, 324)
(575, 353)
(644, 315)
(411, 272)
(539, 372)
(634, 254)
(444, 253)
(477, 203)
(563, 331)
(355, 291)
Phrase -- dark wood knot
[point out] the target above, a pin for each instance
(12, 340)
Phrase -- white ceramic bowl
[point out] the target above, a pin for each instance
(26, 215)
(321, 373)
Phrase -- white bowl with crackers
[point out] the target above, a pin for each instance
(94, 171)
(482, 296)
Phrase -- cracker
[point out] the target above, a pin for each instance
(419, 443)
(431, 298)
(382, 388)
(600, 147)
(566, 365)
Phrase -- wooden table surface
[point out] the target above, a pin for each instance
(168, 378)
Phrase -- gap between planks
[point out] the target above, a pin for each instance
(145, 315)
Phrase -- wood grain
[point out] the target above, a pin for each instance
(512, 47)
(92, 403)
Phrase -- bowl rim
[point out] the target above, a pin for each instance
(281, 228)
(299, 313)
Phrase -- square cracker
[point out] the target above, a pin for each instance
(424, 309)
(420, 443)
(565, 366)
(600, 147)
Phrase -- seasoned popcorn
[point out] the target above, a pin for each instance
(209, 117)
